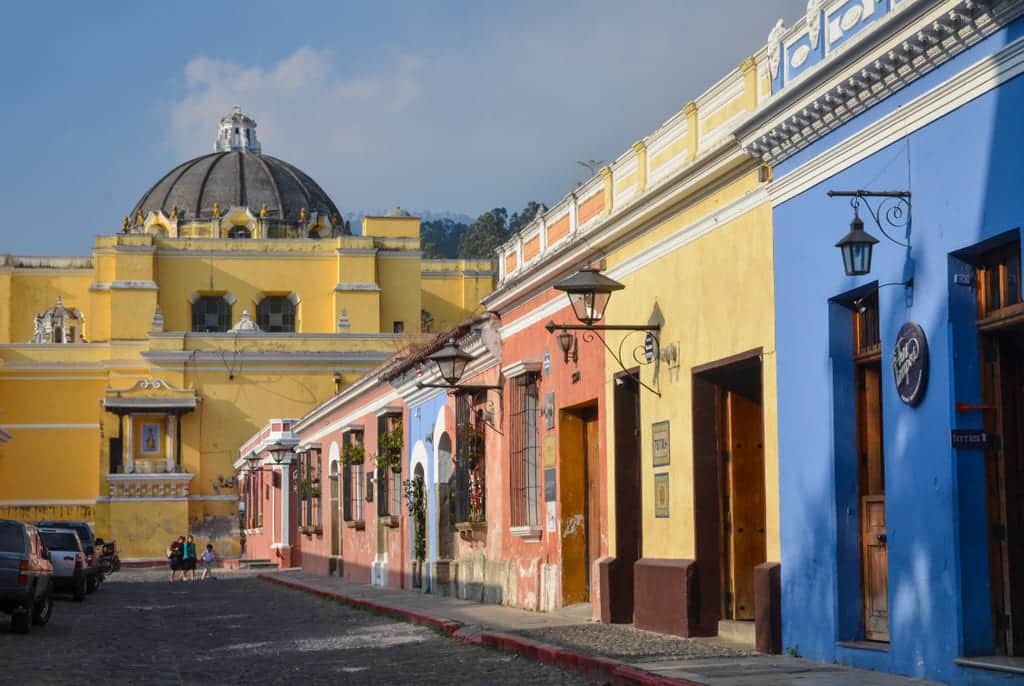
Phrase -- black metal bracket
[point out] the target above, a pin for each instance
(893, 209)
(592, 332)
(461, 387)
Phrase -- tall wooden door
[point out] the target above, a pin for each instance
(744, 507)
(1004, 389)
(592, 512)
(873, 540)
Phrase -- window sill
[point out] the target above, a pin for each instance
(876, 646)
(389, 521)
(994, 663)
(531, 534)
(357, 524)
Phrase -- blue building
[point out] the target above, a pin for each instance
(901, 385)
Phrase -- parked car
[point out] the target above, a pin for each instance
(68, 558)
(26, 576)
(93, 565)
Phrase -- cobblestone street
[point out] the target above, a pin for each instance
(140, 629)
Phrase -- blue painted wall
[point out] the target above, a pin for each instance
(422, 418)
(965, 172)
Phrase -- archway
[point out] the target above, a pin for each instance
(334, 564)
(445, 515)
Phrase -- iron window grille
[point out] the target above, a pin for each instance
(470, 464)
(523, 449)
(276, 314)
(211, 314)
(353, 481)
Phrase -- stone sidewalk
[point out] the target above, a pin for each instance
(614, 653)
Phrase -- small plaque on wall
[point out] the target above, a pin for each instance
(549, 485)
(661, 508)
(549, 450)
(660, 444)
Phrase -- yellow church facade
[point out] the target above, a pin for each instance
(233, 292)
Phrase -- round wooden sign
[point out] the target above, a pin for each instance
(910, 363)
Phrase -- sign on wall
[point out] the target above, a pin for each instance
(661, 508)
(660, 443)
(970, 438)
(910, 363)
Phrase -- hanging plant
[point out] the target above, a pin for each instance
(391, 450)
(353, 453)
(417, 510)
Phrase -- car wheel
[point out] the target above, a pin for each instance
(21, 622)
(43, 609)
(78, 594)
(93, 584)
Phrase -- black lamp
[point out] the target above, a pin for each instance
(252, 459)
(589, 291)
(279, 452)
(451, 362)
(565, 342)
(856, 247)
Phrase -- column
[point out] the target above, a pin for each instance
(286, 469)
(128, 446)
(170, 444)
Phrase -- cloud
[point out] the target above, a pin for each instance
(497, 117)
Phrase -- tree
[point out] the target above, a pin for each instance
(440, 238)
(482, 238)
(525, 215)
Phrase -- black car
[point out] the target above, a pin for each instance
(93, 567)
(26, 576)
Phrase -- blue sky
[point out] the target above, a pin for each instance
(454, 106)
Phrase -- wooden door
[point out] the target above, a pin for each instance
(592, 508)
(1004, 390)
(335, 525)
(744, 530)
(875, 554)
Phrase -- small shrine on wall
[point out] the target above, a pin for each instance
(59, 324)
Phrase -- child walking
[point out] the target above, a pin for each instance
(208, 558)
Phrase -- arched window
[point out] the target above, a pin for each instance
(211, 313)
(239, 232)
(276, 313)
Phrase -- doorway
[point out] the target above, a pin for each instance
(578, 481)
(334, 566)
(628, 500)
(728, 436)
(1003, 388)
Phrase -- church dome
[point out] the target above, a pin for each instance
(238, 175)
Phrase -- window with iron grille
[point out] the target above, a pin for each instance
(352, 480)
(470, 468)
(389, 464)
(523, 439)
(276, 314)
(310, 493)
(253, 491)
(211, 313)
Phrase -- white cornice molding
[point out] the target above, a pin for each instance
(520, 367)
(48, 427)
(356, 286)
(124, 286)
(974, 81)
(262, 357)
(656, 206)
(46, 502)
(877, 63)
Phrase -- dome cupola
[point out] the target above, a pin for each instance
(236, 192)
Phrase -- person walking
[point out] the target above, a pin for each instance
(175, 552)
(189, 558)
(208, 559)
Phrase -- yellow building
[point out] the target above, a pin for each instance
(683, 221)
(234, 292)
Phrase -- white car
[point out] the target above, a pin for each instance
(68, 558)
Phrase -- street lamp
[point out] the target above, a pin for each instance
(893, 209)
(589, 292)
(279, 452)
(856, 247)
(451, 362)
(252, 459)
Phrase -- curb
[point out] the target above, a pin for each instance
(617, 673)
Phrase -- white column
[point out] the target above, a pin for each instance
(172, 439)
(128, 446)
(285, 502)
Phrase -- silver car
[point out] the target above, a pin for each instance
(70, 571)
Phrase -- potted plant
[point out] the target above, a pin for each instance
(391, 450)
